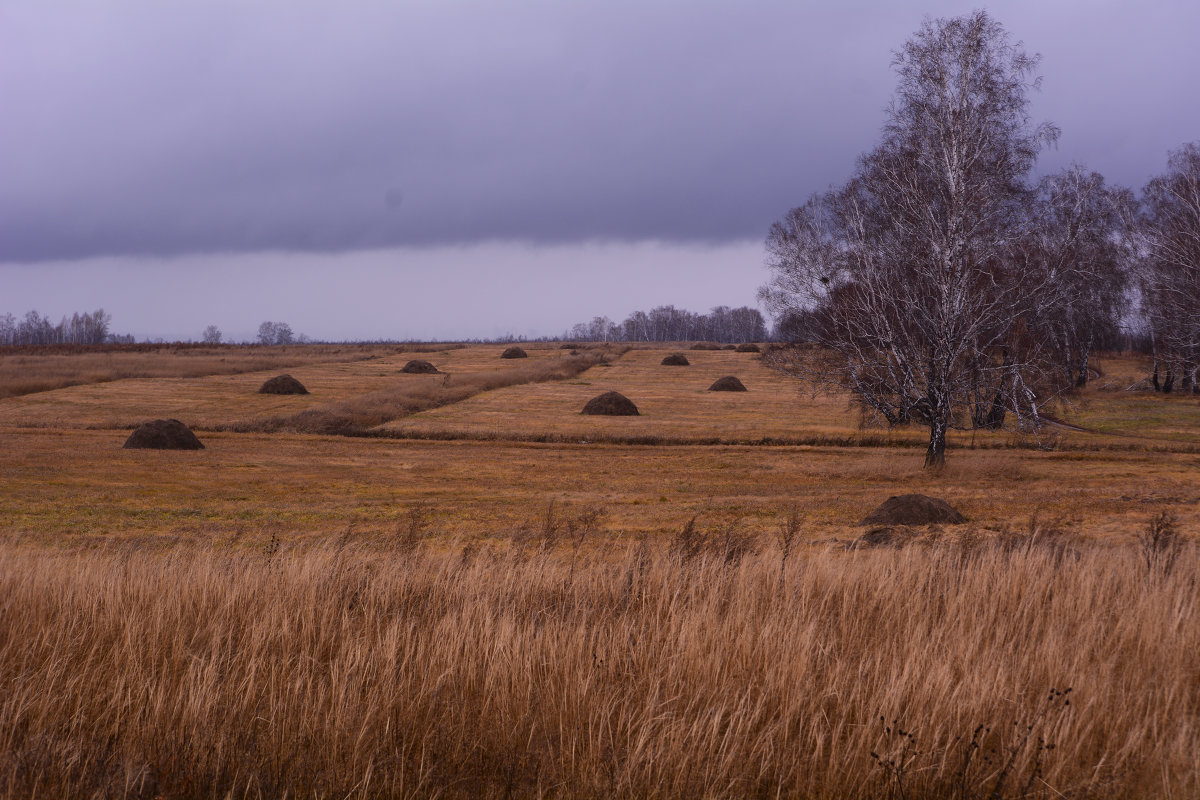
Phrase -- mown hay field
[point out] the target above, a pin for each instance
(478, 591)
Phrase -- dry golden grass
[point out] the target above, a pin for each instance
(29, 370)
(674, 402)
(463, 378)
(231, 400)
(62, 485)
(267, 618)
(389, 668)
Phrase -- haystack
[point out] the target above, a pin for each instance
(913, 509)
(730, 347)
(163, 434)
(419, 367)
(283, 384)
(611, 404)
(748, 348)
(729, 383)
(705, 346)
(676, 360)
(514, 352)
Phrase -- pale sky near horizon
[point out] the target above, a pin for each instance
(461, 169)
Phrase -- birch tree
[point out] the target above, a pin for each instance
(1170, 271)
(915, 269)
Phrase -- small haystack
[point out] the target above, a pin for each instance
(514, 352)
(611, 404)
(705, 346)
(283, 384)
(676, 360)
(419, 367)
(567, 346)
(163, 434)
(730, 347)
(729, 383)
(748, 348)
(913, 509)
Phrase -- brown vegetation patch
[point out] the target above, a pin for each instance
(611, 404)
(748, 348)
(894, 536)
(514, 352)
(419, 366)
(163, 434)
(676, 360)
(705, 346)
(913, 509)
(283, 384)
(729, 383)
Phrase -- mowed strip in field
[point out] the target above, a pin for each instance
(230, 400)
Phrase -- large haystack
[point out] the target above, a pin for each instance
(676, 360)
(514, 352)
(729, 383)
(163, 434)
(730, 347)
(283, 384)
(748, 348)
(419, 367)
(913, 509)
(611, 404)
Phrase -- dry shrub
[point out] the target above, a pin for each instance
(459, 672)
(1161, 542)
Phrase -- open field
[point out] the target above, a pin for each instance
(390, 614)
(25, 370)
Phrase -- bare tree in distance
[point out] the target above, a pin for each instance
(211, 335)
(921, 295)
(1169, 279)
(1080, 225)
(275, 333)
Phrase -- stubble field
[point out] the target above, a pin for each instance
(460, 586)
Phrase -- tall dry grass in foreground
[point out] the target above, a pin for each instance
(699, 670)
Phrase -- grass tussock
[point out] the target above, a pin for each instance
(412, 394)
(376, 667)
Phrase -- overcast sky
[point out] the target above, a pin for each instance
(460, 169)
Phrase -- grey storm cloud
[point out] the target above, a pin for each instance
(152, 128)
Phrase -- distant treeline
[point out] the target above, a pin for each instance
(671, 324)
(33, 328)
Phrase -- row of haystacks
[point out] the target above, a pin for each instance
(615, 404)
